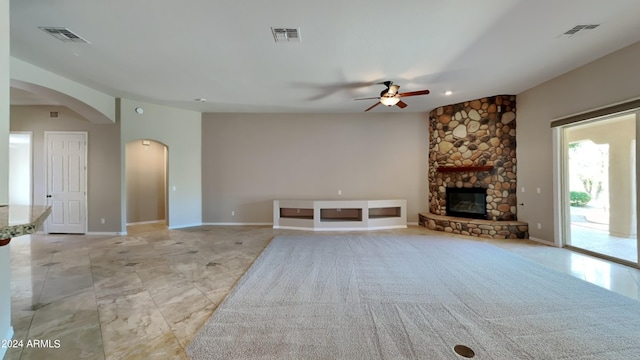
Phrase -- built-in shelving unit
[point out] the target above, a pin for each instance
(330, 215)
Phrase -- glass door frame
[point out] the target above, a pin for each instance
(562, 213)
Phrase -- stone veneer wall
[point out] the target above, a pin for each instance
(473, 134)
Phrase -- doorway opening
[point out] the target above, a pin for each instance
(20, 165)
(600, 187)
(147, 183)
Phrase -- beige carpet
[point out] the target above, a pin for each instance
(412, 297)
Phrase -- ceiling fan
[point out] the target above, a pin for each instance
(390, 96)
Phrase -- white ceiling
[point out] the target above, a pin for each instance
(172, 52)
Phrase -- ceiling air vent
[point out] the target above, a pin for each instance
(286, 34)
(63, 34)
(579, 28)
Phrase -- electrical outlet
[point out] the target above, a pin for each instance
(233, 213)
(539, 226)
(538, 190)
(339, 192)
(102, 221)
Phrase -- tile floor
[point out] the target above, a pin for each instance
(590, 231)
(600, 241)
(145, 295)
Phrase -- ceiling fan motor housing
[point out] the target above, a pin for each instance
(391, 97)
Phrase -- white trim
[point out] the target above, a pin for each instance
(238, 224)
(343, 228)
(104, 233)
(558, 172)
(546, 242)
(183, 226)
(291, 228)
(9, 336)
(148, 222)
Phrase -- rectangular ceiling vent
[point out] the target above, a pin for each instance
(578, 28)
(281, 34)
(64, 34)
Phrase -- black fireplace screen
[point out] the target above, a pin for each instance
(467, 202)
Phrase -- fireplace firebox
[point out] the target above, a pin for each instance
(467, 202)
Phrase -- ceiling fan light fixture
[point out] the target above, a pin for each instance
(390, 100)
(393, 90)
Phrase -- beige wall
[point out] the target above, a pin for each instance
(611, 79)
(146, 178)
(251, 159)
(179, 130)
(103, 168)
(5, 263)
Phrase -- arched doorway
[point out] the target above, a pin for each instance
(146, 174)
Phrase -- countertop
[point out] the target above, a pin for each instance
(16, 220)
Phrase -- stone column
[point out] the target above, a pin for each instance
(622, 202)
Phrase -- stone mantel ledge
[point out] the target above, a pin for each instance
(490, 229)
(17, 220)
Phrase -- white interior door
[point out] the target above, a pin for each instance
(66, 181)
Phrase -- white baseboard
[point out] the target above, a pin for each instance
(104, 233)
(546, 242)
(9, 336)
(147, 222)
(413, 223)
(238, 223)
(175, 227)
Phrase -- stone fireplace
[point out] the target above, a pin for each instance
(472, 146)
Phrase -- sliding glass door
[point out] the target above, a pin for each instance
(600, 187)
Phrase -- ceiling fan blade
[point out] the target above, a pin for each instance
(371, 98)
(372, 106)
(402, 104)
(414, 93)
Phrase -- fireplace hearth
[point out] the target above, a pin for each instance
(467, 202)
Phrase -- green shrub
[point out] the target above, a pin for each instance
(579, 198)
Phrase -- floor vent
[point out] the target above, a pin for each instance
(286, 34)
(64, 34)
